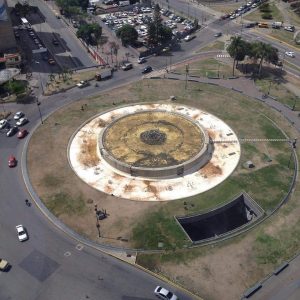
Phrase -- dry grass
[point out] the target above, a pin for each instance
(89, 147)
(233, 264)
(70, 81)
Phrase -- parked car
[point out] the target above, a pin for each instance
(250, 25)
(18, 115)
(13, 130)
(189, 38)
(164, 294)
(22, 234)
(4, 265)
(22, 121)
(290, 53)
(12, 162)
(22, 133)
(55, 42)
(51, 61)
(82, 84)
(148, 69)
(127, 66)
(289, 28)
(141, 60)
(3, 123)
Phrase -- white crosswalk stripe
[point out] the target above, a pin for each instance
(223, 55)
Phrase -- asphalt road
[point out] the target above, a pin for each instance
(49, 265)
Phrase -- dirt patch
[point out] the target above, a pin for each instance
(89, 148)
(210, 170)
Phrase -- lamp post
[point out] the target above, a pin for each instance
(38, 103)
(269, 87)
(98, 228)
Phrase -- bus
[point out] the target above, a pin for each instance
(25, 23)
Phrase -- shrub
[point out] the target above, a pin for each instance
(267, 16)
(265, 7)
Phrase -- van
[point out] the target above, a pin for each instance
(263, 25)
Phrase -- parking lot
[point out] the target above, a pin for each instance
(35, 52)
(140, 17)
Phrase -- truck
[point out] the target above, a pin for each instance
(263, 25)
(105, 74)
(277, 25)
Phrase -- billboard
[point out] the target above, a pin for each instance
(3, 13)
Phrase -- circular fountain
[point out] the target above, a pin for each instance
(155, 144)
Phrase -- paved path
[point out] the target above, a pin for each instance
(247, 87)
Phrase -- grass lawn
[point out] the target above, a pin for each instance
(281, 93)
(217, 45)
(284, 36)
(225, 8)
(257, 15)
(295, 19)
(146, 224)
(210, 67)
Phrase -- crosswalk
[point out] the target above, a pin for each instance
(223, 55)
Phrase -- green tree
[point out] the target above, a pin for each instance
(127, 34)
(237, 50)
(263, 51)
(68, 3)
(157, 32)
(90, 33)
(24, 10)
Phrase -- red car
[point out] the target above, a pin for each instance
(22, 133)
(12, 162)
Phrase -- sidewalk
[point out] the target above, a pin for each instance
(247, 87)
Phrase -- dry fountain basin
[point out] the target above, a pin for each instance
(154, 152)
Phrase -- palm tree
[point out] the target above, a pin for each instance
(237, 50)
(263, 51)
(114, 49)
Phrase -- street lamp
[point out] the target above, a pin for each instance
(98, 228)
(38, 103)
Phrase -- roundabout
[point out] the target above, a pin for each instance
(154, 152)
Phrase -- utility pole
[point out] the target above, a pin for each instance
(186, 75)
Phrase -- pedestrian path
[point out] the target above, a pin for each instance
(247, 87)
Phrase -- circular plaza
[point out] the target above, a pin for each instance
(154, 152)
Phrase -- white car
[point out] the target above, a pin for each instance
(141, 60)
(18, 115)
(289, 28)
(22, 122)
(189, 38)
(290, 53)
(22, 235)
(82, 84)
(3, 123)
(164, 294)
